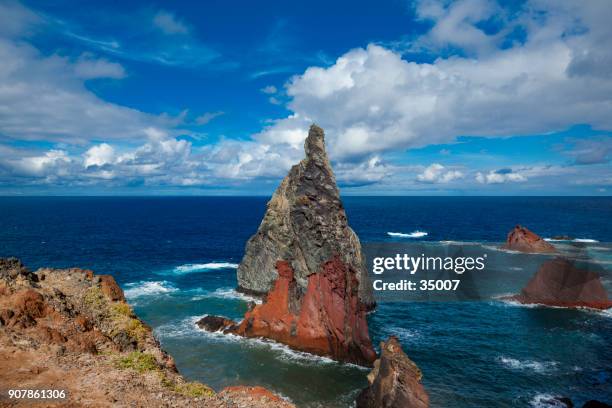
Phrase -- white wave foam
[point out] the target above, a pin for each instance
(184, 328)
(139, 289)
(201, 267)
(537, 366)
(546, 401)
(447, 242)
(403, 333)
(583, 240)
(606, 313)
(284, 353)
(228, 293)
(414, 234)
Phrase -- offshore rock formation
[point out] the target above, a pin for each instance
(308, 262)
(559, 283)
(305, 225)
(68, 329)
(523, 240)
(395, 381)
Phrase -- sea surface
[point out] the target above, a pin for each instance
(176, 259)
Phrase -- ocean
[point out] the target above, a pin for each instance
(175, 257)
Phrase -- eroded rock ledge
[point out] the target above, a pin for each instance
(71, 329)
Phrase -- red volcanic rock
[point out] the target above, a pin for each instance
(110, 288)
(327, 320)
(559, 283)
(521, 239)
(395, 381)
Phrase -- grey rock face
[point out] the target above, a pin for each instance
(306, 225)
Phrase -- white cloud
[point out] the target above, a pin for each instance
(455, 24)
(99, 155)
(169, 24)
(372, 100)
(368, 172)
(499, 177)
(88, 67)
(437, 173)
(270, 89)
(44, 98)
(207, 117)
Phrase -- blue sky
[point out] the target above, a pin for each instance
(431, 97)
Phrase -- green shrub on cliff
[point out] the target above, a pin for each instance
(189, 389)
(139, 361)
(194, 389)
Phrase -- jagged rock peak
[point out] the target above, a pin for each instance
(308, 262)
(314, 145)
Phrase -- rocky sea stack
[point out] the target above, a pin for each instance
(395, 381)
(523, 240)
(558, 282)
(307, 262)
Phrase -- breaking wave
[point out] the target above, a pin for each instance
(188, 328)
(228, 293)
(531, 365)
(582, 240)
(147, 288)
(546, 401)
(414, 234)
(201, 267)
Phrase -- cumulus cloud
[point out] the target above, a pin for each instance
(500, 176)
(437, 173)
(270, 89)
(373, 100)
(99, 155)
(368, 172)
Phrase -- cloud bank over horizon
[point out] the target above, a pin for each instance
(480, 75)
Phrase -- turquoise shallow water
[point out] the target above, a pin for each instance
(175, 258)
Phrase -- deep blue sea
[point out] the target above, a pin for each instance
(176, 257)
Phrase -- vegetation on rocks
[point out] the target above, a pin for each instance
(139, 361)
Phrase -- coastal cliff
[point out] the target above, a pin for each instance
(308, 263)
(71, 330)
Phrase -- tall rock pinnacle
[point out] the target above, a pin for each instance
(305, 224)
(308, 262)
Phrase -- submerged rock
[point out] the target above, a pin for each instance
(308, 262)
(523, 240)
(395, 381)
(559, 283)
(216, 323)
